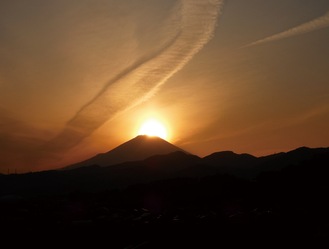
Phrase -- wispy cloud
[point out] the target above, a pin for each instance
(316, 24)
(140, 81)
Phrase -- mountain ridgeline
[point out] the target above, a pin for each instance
(147, 159)
(148, 193)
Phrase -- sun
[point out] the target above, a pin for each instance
(153, 128)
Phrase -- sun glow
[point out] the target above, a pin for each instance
(153, 128)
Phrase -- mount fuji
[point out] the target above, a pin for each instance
(136, 149)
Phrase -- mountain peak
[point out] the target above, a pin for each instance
(146, 138)
(138, 148)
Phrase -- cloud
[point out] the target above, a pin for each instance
(140, 81)
(316, 24)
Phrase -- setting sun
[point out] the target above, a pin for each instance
(153, 127)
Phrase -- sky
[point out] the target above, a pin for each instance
(79, 77)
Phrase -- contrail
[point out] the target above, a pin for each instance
(198, 21)
(318, 23)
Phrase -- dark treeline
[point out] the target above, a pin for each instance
(288, 205)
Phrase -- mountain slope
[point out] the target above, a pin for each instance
(136, 149)
(160, 167)
(281, 160)
(248, 166)
(228, 162)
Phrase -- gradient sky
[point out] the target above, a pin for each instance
(79, 77)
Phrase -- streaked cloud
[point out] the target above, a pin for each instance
(316, 24)
(142, 80)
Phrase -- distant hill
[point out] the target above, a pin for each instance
(138, 148)
(159, 167)
(175, 201)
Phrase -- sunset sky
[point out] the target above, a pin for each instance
(79, 77)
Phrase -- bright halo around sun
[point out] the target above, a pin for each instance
(153, 128)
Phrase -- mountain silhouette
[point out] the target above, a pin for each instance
(230, 162)
(93, 175)
(136, 149)
(174, 199)
(283, 159)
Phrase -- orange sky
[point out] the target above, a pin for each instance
(79, 77)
